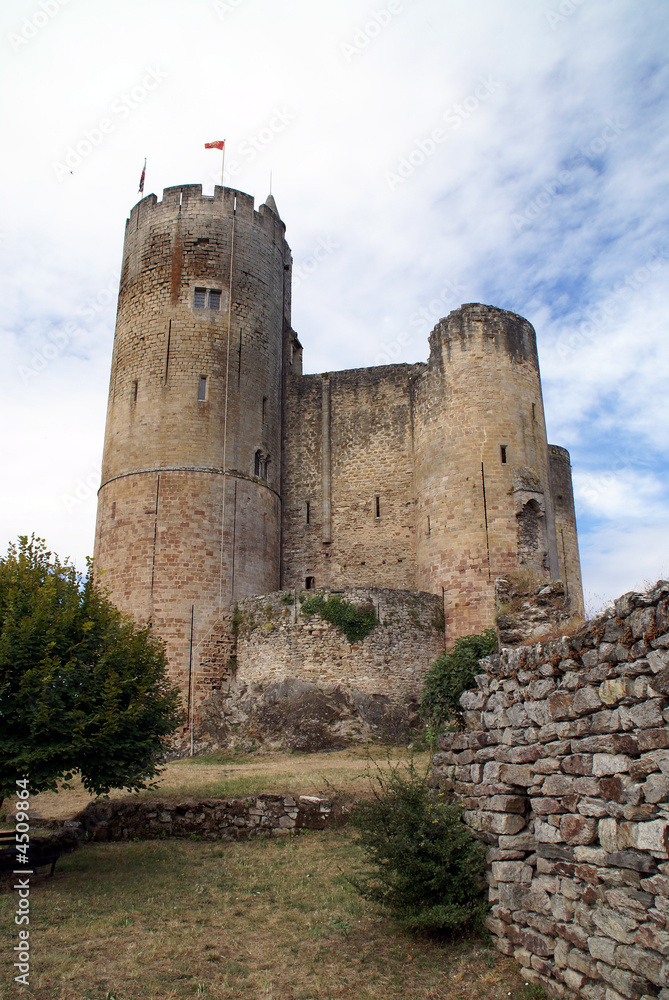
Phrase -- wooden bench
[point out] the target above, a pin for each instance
(41, 851)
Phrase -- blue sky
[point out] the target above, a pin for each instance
(429, 153)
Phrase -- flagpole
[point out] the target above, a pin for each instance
(223, 166)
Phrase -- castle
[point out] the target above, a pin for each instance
(227, 473)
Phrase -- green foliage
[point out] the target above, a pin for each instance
(287, 597)
(452, 674)
(355, 622)
(427, 868)
(82, 688)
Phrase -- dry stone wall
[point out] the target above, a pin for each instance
(213, 819)
(564, 772)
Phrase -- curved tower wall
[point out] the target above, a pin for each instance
(188, 516)
(483, 495)
(565, 524)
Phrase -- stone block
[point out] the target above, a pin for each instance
(545, 833)
(586, 700)
(613, 690)
(557, 785)
(603, 949)
(562, 909)
(653, 836)
(626, 983)
(501, 823)
(518, 774)
(574, 980)
(646, 963)
(506, 804)
(578, 764)
(650, 936)
(561, 952)
(511, 871)
(653, 739)
(578, 829)
(615, 925)
(606, 763)
(578, 960)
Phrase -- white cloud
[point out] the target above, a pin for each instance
(572, 133)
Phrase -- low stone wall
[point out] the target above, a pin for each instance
(564, 772)
(276, 641)
(212, 819)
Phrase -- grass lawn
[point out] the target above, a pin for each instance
(224, 775)
(270, 919)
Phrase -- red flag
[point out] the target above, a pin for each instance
(219, 144)
(141, 179)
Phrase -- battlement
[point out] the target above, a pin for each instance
(187, 199)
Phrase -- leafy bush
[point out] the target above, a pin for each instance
(428, 869)
(452, 674)
(355, 622)
(82, 688)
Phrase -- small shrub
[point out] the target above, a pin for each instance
(427, 868)
(452, 674)
(355, 622)
(287, 597)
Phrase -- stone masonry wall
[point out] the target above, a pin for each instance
(564, 772)
(277, 641)
(213, 819)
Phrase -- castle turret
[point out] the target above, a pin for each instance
(189, 508)
(484, 504)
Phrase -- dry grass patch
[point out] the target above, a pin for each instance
(257, 920)
(225, 775)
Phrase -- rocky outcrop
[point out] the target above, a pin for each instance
(564, 772)
(526, 612)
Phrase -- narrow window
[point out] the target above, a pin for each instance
(134, 391)
(266, 469)
(308, 512)
(264, 409)
(310, 583)
(113, 510)
(199, 298)
(502, 451)
(202, 388)
(428, 524)
(378, 506)
(256, 467)
(214, 299)
(534, 411)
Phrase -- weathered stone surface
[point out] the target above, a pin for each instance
(605, 763)
(614, 689)
(586, 700)
(578, 764)
(615, 925)
(603, 949)
(646, 963)
(578, 829)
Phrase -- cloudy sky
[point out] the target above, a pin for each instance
(424, 153)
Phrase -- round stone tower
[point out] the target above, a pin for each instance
(483, 484)
(189, 509)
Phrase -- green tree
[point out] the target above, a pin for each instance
(424, 864)
(82, 688)
(452, 674)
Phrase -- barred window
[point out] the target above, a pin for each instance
(214, 299)
(200, 297)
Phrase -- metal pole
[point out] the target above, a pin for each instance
(191, 691)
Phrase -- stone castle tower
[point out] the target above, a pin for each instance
(227, 473)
